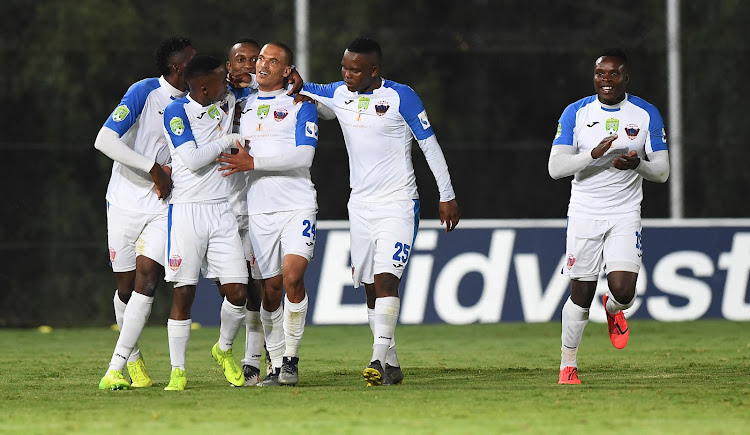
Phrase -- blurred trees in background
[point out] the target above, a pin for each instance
(494, 77)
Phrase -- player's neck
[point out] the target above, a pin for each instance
(176, 82)
(378, 82)
(272, 93)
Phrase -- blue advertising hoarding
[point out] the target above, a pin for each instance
(489, 271)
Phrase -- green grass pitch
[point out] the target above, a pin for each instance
(475, 379)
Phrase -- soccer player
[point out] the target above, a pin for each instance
(133, 137)
(283, 205)
(609, 142)
(202, 229)
(241, 62)
(379, 118)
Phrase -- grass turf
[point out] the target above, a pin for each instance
(672, 378)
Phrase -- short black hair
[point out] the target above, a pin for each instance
(168, 48)
(244, 41)
(363, 45)
(615, 52)
(287, 51)
(201, 65)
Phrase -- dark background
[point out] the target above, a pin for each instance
(493, 75)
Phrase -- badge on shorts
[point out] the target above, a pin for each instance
(571, 261)
(112, 254)
(174, 262)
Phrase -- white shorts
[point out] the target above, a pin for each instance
(274, 235)
(242, 222)
(382, 235)
(614, 243)
(130, 234)
(204, 235)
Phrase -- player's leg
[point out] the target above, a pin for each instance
(178, 334)
(584, 244)
(272, 317)
(622, 261)
(254, 339)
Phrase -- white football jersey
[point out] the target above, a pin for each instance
(378, 128)
(275, 126)
(185, 120)
(138, 122)
(608, 191)
(239, 181)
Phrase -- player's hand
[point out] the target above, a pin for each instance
(239, 162)
(449, 214)
(603, 146)
(239, 80)
(162, 181)
(299, 98)
(296, 81)
(624, 162)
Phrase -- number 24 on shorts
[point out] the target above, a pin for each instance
(402, 252)
(309, 230)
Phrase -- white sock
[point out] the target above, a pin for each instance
(253, 339)
(386, 317)
(613, 306)
(371, 319)
(135, 318)
(119, 316)
(390, 357)
(294, 325)
(273, 329)
(574, 319)
(232, 317)
(178, 332)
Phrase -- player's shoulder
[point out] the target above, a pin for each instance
(580, 104)
(401, 89)
(177, 106)
(641, 103)
(145, 86)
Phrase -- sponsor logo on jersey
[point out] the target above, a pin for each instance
(311, 129)
(263, 111)
(214, 113)
(176, 125)
(632, 131)
(571, 261)
(559, 130)
(279, 114)
(120, 113)
(612, 125)
(112, 254)
(382, 107)
(174, 262)
(592, 124)
(348, 101)
(423, 120)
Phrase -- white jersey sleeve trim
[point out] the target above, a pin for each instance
(436, 161)
(195, 157)
(108, 142)
(656, 168)
(300, 157)
(563, 161)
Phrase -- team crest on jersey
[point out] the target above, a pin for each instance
(382, 107)
(559, 130)
(612, 125)
(632, 131)
(263, 111)
(112, 254)
(214, 113)
(279, 114)
(174, 262)
(571, 261)
(120, 113)
(362, 106)
(176, 125)
(423, 120)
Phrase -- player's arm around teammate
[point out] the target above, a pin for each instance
(282, 205)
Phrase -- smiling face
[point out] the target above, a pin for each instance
(359, 71)
(610, 78)
(272, 68)
(242, 58)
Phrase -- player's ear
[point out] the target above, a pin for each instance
(287, 72)
(375, 71)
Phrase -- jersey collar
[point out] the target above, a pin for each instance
(174, 92)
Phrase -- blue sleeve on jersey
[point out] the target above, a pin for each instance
(325, 91)
(412, 110)
(656, 123)
(307, 125)
(131, 106)
(176, 123)
(240, 93)
(567, 122)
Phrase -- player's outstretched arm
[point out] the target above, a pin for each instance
(232, 163)
(296, 82)
(449, 214)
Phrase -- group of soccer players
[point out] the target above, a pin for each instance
(211, 175)
(226, 197)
